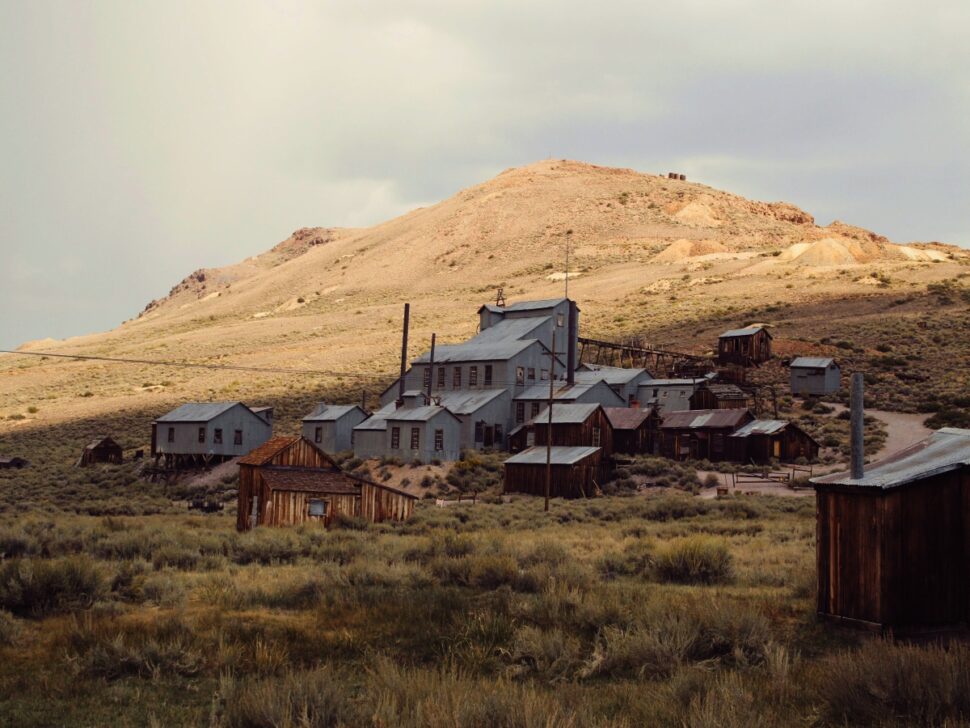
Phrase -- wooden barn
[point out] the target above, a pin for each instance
(711, 395)
(289, 480)
(763, 440)
(699, 434)
(893, 546)
(104, 450)
(749, 346)
(572, 424)
(635, 430)
(576, 471)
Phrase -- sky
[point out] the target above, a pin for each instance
(142, 141)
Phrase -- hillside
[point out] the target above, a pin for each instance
(648, 256)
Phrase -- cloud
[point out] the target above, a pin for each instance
(147, 140)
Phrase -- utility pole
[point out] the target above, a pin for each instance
(552, 394)
(566, 295)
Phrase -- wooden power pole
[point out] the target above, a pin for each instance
(552, 395)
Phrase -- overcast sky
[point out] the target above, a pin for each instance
(142, 140)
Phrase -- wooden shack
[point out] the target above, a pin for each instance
(575, 425)
(700, 434)
(14, 462)
(635, 430)
(104, 450)
(576, 471)
(893, 546)
(289, 480)
(760, 441)
(749, 346)
(711, 395)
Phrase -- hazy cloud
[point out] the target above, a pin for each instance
(143, 140)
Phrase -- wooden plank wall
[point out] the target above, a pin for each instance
(381, 504)
(568, 481)
(580, 433)
(290, 508)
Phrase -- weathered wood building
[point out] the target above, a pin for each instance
(713, 395)
(576, 471)
(331, 426)
(203, 432)
(104, 450)
(749, 346)
(761, 441)
(289, 480)
(893, 546)
(813, 376)
(635, 430)
(572, 425)
(699, 434)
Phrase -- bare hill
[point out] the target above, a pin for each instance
(645, 253)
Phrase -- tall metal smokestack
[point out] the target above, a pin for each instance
(857, 421)
(431, 368)
(404, 355)
(571, 344)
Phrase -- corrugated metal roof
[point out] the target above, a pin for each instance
(378, 420)
(197, 411)
(812, 362)
(562, 391)
(945, 450)
(467, 403)
(704, 418)
(417, 414)
(265, 452)
(496, 343)
(311, 480)
(330, 412)
(673, 382)
(610, 375)
(524, 305)
(566, 414)
(761, 427)
(626, 418)
(747, 331)
(560, 455)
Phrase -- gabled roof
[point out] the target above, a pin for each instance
(267, 451)
(761, 427)
(102, 442)
(468, 403)
(945, 450)
(563, 391)
(417, 414)
(496, 343)
(524, 305)
(627, 418)
(559, 455)
(566, 414)
(610, 375)
(697, 419)
(331, 412)
(312, 480)
(747, 331)
(198, 411)
(378, 420)
(812, 362)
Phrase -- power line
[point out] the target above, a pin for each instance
(196, 365)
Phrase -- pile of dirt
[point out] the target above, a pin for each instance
(683, 249)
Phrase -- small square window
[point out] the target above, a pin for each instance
(171, 434)
(472, 376)
(415, 438)
(520, 375)
(217, 436)
(317, 508)
(318, 434)
(532, 374)
(439, 440)
(201, 434)
(237, 437)
(395, 438)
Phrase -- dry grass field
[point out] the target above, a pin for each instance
(118, 606)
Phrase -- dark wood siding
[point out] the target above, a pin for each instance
(578, 433)
(745, 350)
(568, 481)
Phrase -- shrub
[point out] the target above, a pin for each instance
(37, 588)
(695, 560)
(308, 699)
(9, 628)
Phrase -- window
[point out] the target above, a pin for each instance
(237, 437)
(559, 319)
(479, 431)
(655, 391)
(520, 375)
(318, 434)
(217, 436)
(395, 438)
(201, 434)
(488, 375)
(456, 378)
(532, 373)
(439, 440)
(520, 411)
(171, 434)
(317, 508)
(441, 377)
(415, 438)
(426, 377)
(472, 376)
(545, 374)
(596, 437)
(535, 409)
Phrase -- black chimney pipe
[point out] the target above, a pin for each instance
(571, 344)
(431, 369)
(404, 355)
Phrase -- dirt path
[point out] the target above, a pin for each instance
(902, 429)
